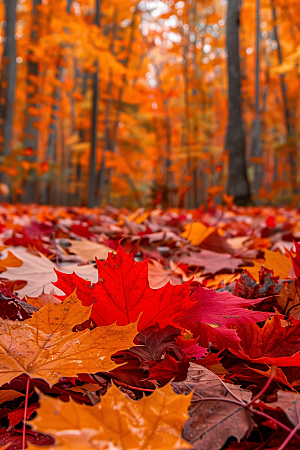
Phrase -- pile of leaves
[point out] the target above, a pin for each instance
(149, 330)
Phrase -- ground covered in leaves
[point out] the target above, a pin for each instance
(149, 329)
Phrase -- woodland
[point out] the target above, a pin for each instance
(149, 225)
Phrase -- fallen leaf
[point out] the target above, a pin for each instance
(211, 261)
(273, 344)
(10, 261)
(289, 299)
(42, 300)
(289, 402)
(168, 369)
(196, 232)
(8, 395)
(122, 293)
(38, 272)
(13, 308)
(88, 250)
(279, 263)
(213, 421)
(46, 347)
(221, 311)
(117, 422)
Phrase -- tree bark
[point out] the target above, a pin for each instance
(256, 149)
(238, 184)
(69, 6)
(8, 75)
(8, 80)
(93, 156)
(30, 186)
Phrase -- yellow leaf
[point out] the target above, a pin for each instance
(253, 270)
(279, 263)
(196, 232)
(45, 346)
(117, 422)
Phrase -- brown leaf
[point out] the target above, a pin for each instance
(289, 299)
(213, 421)
(88, 250)
(289, 402)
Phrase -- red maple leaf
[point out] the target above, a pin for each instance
(157, 348)
(122, 293)
(217, 314)
(272, 344)
(169, 369)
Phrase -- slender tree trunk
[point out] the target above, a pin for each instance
(124, 81)
(106, 141)
(238, 184)
(102, 178)
(287, 114)
(69, 6)
(186, 119)
(256, 129)
(93, 157)
(8, 79)
(31, 134)
(111, 144)
(282, 75)
(8, 76)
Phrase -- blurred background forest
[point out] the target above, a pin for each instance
(127, 102)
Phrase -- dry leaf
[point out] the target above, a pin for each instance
(88, 250)
(289, 402)
(289, 299)
(38, 272)
(213, 421)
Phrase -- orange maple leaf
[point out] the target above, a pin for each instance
(117, 422)
(46, 347)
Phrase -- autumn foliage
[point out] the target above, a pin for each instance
(160, 122)
(184, 334)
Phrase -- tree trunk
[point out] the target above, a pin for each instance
(238, 184)
(8, 79)
(256, 149)
(92, 169)
(69, 6)
(30, 186)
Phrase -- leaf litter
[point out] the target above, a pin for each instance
(218, 318)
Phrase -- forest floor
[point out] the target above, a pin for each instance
(165, 329)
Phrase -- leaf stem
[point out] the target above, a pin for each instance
(251, 409)
(289, 437)
(25, 414)
(132, 387)
(263, 390)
